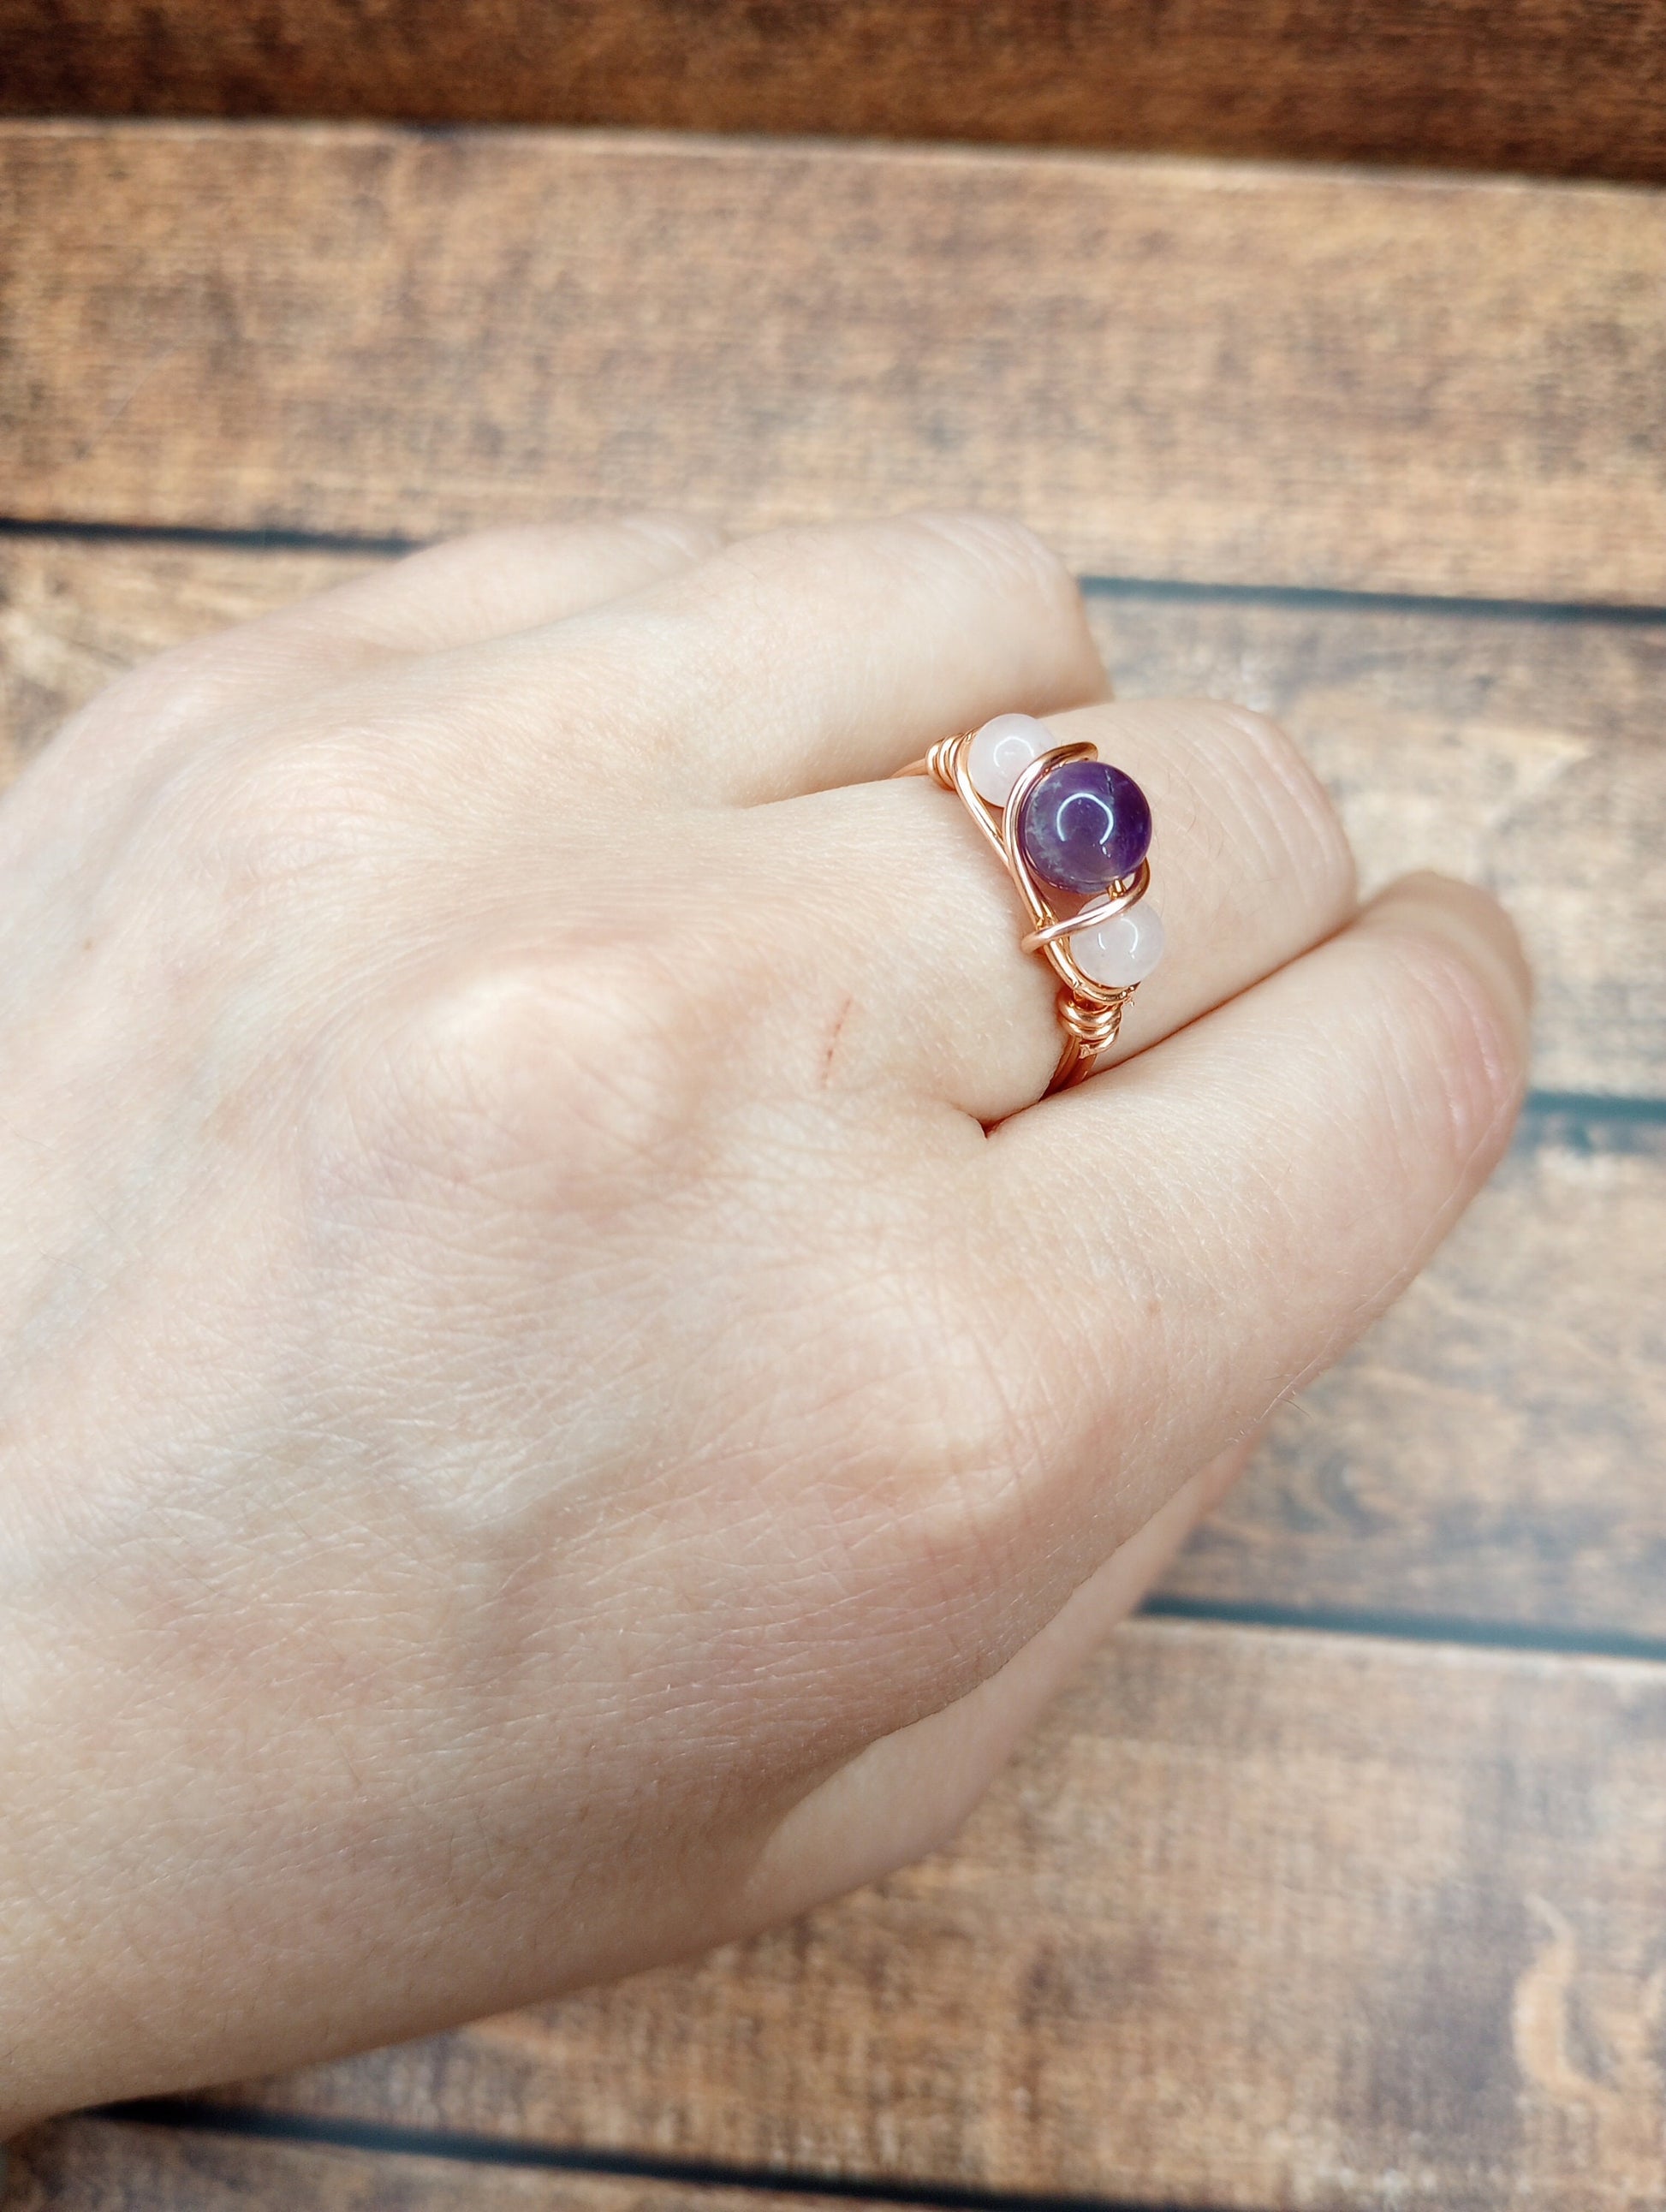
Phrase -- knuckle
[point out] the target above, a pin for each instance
(275, 814)
(1253, 735)
(687, 536)
(574, 1066)
(177, 691)
(1006, 556)
(1285, 807)
(1454, 1065)
(485, 563)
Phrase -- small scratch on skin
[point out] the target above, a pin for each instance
(845, 1012)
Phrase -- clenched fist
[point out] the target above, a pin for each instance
(560, 1397)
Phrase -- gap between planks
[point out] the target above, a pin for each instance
(699, 2184)
(1203, 592)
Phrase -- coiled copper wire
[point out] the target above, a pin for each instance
(1089, 1013)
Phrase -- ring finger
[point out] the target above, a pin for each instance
(1250, 867)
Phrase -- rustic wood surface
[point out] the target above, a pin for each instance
(1172, 368)
(104, 2166)
(1573, 87)
(1490, 1453)
(1258, 1919)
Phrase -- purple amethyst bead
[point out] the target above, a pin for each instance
(1083, 825)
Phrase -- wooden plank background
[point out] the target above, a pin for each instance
(1271, 1920)
(1263, 1918)
(1563, 87)
(1172, 370)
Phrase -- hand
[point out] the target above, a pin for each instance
(559, 1399)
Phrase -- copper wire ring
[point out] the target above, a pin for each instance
(1089, 1013)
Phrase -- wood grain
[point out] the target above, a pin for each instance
(1573, 87)
(1260, 1919)
(75, 613)
(90, 2165)
(1173, 369)
(1491, 1452)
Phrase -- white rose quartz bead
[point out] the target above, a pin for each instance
(1000, 752)
(1124, 951)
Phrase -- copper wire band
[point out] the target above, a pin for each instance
(1089, 1013)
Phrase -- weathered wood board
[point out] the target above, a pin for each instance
(1172, 368)
(1259, 1918)
(1574, 87)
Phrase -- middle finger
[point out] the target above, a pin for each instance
(796, 661)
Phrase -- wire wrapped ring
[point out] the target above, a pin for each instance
(1111, 829)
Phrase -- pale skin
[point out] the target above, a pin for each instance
(560, 1398)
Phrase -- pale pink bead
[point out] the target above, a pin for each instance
(1123, 951)
(1002, 751)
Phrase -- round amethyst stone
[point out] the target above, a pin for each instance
(1085, 824)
